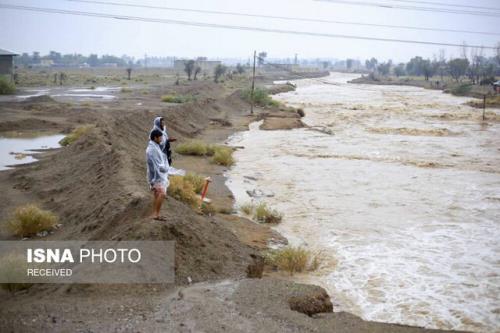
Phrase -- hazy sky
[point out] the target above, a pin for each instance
(23, 31)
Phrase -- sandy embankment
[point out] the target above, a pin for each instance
(97, 187)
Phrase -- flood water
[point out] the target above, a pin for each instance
(65, 94)
(15, 150)
(399, 188)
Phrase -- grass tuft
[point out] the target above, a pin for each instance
(264, 214)
(12, 268)
(293, 259)
(75, 135)
(183, 190)
(223, 156)
(28, 220)
(196, 180)
(177, 98)
(193, 147)
(247, 208)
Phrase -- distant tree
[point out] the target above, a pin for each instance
(36, 58)
(188, 68)
(129, 72)
(197, 71)
(261, 58)
(349, 63)
(219, 71)
(458, 67)
(371, 64)
(415, 66)
(399, 70)
(240, 69)
(326, 64)
(384, 68)
(428, 69)
(93, 60)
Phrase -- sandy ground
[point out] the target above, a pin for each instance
(97, 186)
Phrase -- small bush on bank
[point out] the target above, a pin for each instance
(12, 268)
(6, 86)
(223, 156)
(247, 208)
(28, 220)
(292, 259)
(220, 154)
(260, 96)
(196, 180)
(75, 135)
(264, 214)
(193, 147)
(181, 189)
(461, 90)
(176, 98)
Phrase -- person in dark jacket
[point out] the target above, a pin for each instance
(159, 124)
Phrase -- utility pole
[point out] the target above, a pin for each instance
(253, 82)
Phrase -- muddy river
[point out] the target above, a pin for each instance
(398, 188)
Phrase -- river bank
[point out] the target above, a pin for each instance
(96, 185)
(445, 84)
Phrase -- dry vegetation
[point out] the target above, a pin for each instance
(11, 269)
(293, 259)
(29, 220)
(221, 155)
(261, 213)
(75, 135)
(183, 189)
(177, 98)
(264, 214)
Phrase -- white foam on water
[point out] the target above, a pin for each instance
(404, 205)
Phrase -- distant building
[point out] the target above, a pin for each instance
(7, 62)
(207, 66)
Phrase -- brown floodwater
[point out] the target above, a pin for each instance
(398, 188)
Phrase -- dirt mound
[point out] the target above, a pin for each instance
(97, 185)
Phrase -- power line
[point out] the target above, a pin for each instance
(282, 17)
(231, 27)
(414, 8)
(446, 4)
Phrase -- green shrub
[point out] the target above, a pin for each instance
(266, 215)
(75, 135)
(223, 156)
(126, 90)
(260, 96)
(461, 90)
(183, 190)
(12, 268)
(6, 86)
(29, 220)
